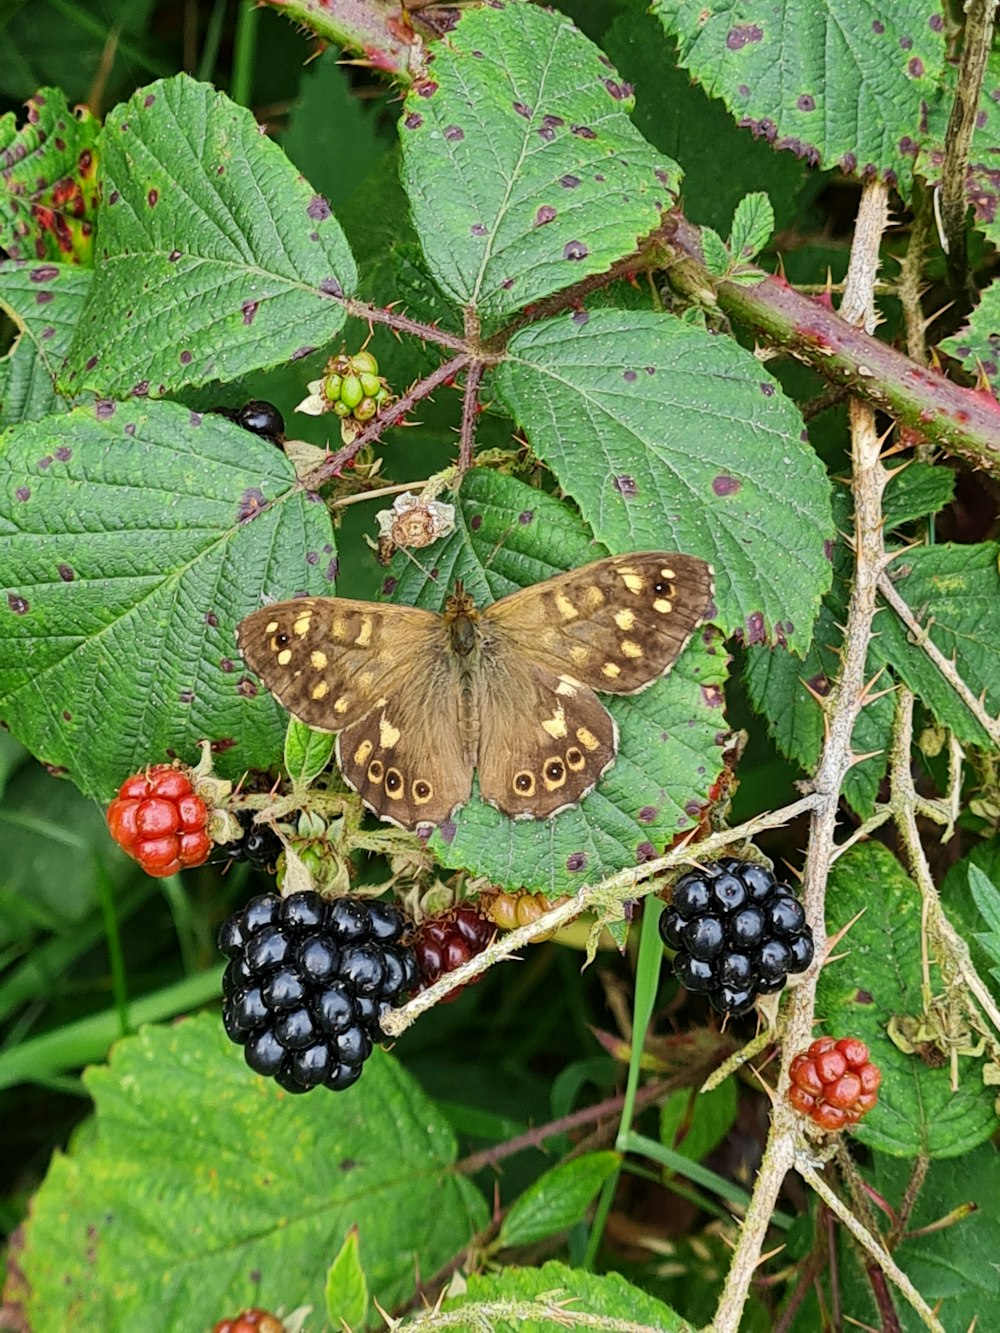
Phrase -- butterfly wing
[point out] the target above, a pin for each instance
(544, 739)
(615, 625)
(384, 678)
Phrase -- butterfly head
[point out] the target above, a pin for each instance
(460, 615)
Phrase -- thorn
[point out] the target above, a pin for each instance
(815, 694)
(854, 759)
(834, 940)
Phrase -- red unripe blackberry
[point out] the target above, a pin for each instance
(161, 821)
(442, 944)
(834, 1082)
(737, 932)
(250, 1321)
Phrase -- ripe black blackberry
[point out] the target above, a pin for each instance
(260, 846)
(308, 980)
(738, 933)
(258, 417)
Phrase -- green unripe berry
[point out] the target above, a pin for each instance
(331, 387)
(365, 410)
(363, 363)
(381, 397)
(351, 392)
(340, 408)
(371, 385)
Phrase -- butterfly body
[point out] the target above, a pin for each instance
(422, 700)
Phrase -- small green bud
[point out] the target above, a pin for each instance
(331, 387)
(363, 363)
(351, 392)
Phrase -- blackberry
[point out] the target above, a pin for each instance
(259, 846)
(307, 983)
(443, 943)
(258, 417)
(738, 933)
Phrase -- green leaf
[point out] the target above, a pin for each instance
(981, 192)
(718, 260)
(523, 170)
(837, 82)
(956, 895)
(954, 1265)
(668, 437)
(880, 977)
(915, 492)
(200, 1174)
(977, 345)
(307, 752)
(987, 899)
(753, 224)
(218, 258)
(136, 539)
(954, 594)
(562, 1293)
(694, 1123)
(558, 1199)
(44, 301)
(346, 1286)
(49, 168)
(672, 735)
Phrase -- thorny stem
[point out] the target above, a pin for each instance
(634, 882)
(922, 638)
(470, 396)
(844, 703)
(870, 1245)
(980, 15)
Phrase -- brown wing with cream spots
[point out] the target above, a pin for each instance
(544, 739)
(385, 678)
(328, 659)
(615, 625)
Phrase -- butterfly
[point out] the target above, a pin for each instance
(422, 700)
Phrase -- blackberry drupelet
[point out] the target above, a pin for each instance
(307, 983)
(738, 933)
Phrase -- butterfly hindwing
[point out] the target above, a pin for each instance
(544, 739)
(615, 625)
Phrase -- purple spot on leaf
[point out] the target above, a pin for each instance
(755, 627)
(569, 182)
(478, 229)
(525, 517)
(90, 363)
(915, 68)
(583, 132)
(186, 358)
(64, 453)
(23, 493)
(906, 43)
(447, 829)
(152, 198)
(454, 133)
(625, 485)
(413, 121)
(575, 250)
(312, 557)
(226, 664)
(580, 317)
(545, 214)
(318, 209)
(647, 814)
(806, 102)
(693, 808)
(186, 696)
(211, 618)
(936, 22)
(576, 861)
(389, 586)
(645, 852)
(878, 27)
(743, 35)
(332, 570)
(712, 696)
(251, 503)
(476, 522)
(246, 687)
(249, 309)
(629, 376)
(149, 99)
(45, 273)
(522, 110)
(17, 604)
(141, 390)
(723, 484)
(45, 463)
(301, 353)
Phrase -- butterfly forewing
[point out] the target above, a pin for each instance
(615, 625)
(328, 660)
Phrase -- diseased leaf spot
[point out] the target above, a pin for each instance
(755, 627)
(90, 363)
(723, 484)
(915, 68)
(522, 110)
(186, 696)
(222, 744)
(19, 605)
(693, 808)
(45, 273)
(389, 586)
(251, 503)
(153, 198)
(647, 814)
(580, 317)
(141, 390)
(936, 23)
(104, 409)
(45, 463)
(66, 573)
(645, 852)
(575, 250)
(332, 570)
(301, 353)
(454, 133)
(249, 311)
(331, 287)
(477, 229)
(626, 486)
(576, 861)
(712, 696)
(226, 664)
(426, 88)
(906, 43)
(767, 389)
(621, 92)
(67, 715)
(211, 619)
(742, 35)
(318, 209)
(569, 182)
(246, 687)
(806, 102)
(173, 256)
(583, 132)
(447, 829)
(878, 27)
(23, 493)
(525, 517)
(545, 214)
(185, 358)
(476, 522)
(629, 376)
(413, 121)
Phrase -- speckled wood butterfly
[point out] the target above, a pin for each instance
(422, 700)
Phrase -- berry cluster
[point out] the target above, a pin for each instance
(351, 388)
(510, 910)
(260, 846)
(258, 417)
(308, 981)
(251, 1321)
(443, 943)
(738, 933)
(161, 821)
(834, 1082)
